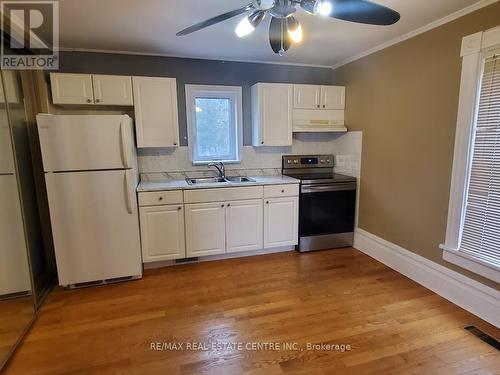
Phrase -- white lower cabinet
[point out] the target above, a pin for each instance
(205, 229)
(203, 222)
(281, 222)
(244, 225)
(162, 233)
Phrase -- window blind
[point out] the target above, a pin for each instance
(481, 230)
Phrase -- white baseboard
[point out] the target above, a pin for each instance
(470, 295)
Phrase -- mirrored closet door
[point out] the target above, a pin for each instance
(16, 295)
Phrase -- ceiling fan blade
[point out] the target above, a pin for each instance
(278, 35)
(362, 11)
(214, 20)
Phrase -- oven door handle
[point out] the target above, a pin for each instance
(326, 188)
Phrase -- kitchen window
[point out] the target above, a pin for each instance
(214, 117)
(473, 232)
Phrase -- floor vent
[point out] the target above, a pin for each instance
(484, 337)
(186, 260)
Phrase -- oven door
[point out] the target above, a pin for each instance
(327, 209)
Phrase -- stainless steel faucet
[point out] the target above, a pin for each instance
(220, 168)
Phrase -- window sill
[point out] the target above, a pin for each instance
(216, 161)
(484, 269)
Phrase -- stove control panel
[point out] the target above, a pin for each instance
(308, 161)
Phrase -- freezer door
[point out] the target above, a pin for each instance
(85, 142)
(95, 225)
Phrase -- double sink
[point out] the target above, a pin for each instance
(218, 180)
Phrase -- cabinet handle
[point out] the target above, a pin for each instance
(267, 202)
(324, 106)
(175, 143)
(97, 100)
(262, 142)
(283, 190)
(229, 204)
(222, 205)
(89, 101)
(318, 106)
(160, 199)
(179, 208)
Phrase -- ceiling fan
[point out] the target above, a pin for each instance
(285, 29)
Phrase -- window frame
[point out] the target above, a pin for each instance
(473, 53)
(234, 93)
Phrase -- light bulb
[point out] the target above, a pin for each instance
(294, 29)
(296, 35)
(324, 8)
(244, 28)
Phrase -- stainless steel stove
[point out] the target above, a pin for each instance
(327, 202)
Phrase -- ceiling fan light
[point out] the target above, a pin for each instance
(294, 29)
(324, 7)
(244, 28)
(296, 35)
(249, 23)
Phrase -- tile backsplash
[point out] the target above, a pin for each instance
(175, 163)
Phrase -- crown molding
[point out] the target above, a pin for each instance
(451, 17)
(135, 53)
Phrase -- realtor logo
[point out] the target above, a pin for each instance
(30, 35)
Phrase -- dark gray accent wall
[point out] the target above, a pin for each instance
(195, 71)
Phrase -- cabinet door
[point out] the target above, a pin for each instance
(205, 229)
(281, 224)
(244, 225)
(112, 90)
(155, 104)
(276, 114)
(162, 233)
(71, 88)
(306, 96)
(332, 97)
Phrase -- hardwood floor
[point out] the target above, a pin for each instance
(392, 324)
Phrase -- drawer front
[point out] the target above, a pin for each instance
(160, 198)
(223, 195)
(272, 191)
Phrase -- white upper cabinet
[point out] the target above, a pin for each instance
(319, 97)
(306, 96)
(162, 233)
(272, 114)
(332, 97)
(112, 90)
(71, 88)
(156, 117)
(244, 225)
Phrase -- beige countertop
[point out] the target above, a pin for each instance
(170, 184)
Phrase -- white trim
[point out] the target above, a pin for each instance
(235, 93)
(491, 38)
(421, 30)
(469, 294)
(472, 53)
(135, 53)
(472, 264)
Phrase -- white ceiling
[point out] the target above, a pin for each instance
(149, 26)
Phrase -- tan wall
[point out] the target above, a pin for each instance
(405, 99)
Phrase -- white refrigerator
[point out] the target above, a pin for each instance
(91, 177)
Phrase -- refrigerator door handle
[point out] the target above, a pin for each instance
(125, 146)
(128, 191)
